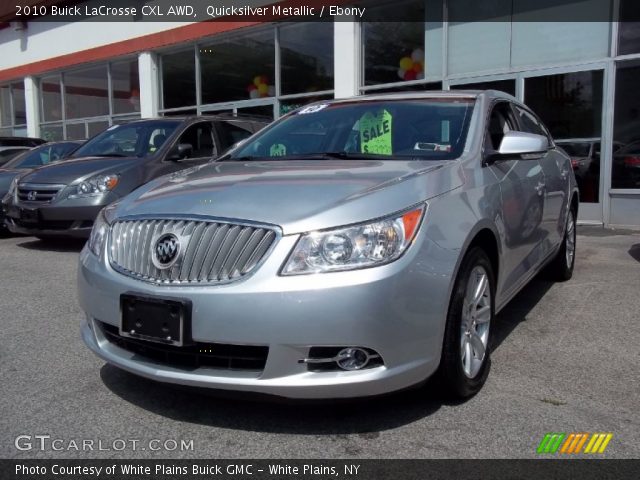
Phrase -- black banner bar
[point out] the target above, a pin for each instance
(453, 11)
(318, 469)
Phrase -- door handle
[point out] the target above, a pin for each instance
(540, 187)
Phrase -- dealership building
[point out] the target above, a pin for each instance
(72, 79)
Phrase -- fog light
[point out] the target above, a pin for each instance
(352, 358)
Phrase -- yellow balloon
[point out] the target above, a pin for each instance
(257, 80)
(406, 63)
(263, 88)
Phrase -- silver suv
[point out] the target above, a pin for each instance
(352, 248)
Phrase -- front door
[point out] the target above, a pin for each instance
(522, 190)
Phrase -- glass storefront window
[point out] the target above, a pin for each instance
(85, 93)
(125, 83)
(5, 106)
(12, 108)
(76, 131)
(628, 32)
(179, 79)
(51, 98)
(19, 107)
(394, 51)
(304, 66)
(238, 68)
(570, 105)
(97, 127)
(626, 128)
(51, 133)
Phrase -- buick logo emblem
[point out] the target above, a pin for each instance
(166, 250)
(32, 196)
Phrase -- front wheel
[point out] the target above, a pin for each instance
(464, 365)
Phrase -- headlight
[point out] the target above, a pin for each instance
(98, 234)
(358, 246)
(96, 185)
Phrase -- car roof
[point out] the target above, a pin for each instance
(197, 118)
(16, 141)
(436, 94)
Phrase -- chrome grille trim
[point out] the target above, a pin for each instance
(212, 252)
(44, 192)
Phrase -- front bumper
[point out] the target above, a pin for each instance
(65, 218)
(398, 310)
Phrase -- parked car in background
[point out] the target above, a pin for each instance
(8, 153)
(11, 146)
(585, 161)
(626, 166)
(30, 159)
(21, 142)
(352, 248)
(64, 199)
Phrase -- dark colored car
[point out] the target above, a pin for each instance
(626, 166)
(12, 146)
(21, 142)
(64, 199)
(24, 161)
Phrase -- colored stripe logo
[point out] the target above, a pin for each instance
(573, 443)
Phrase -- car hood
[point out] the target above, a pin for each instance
(77, 170)
(298, 196)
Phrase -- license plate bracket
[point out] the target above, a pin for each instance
(29, 215)
(154, 319)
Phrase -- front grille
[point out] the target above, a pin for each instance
(38, 192)
(209, 252)
(190, 357)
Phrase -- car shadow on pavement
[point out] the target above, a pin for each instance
(53, 245)
(261, 413)
(518, 309)
(634, 251)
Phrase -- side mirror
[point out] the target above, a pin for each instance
(180, 152)
(519, 143)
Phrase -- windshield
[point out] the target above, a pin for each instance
(42, 155)
(138, 139)
(429, 129)
(9, 153)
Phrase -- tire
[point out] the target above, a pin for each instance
(561, 267)
(462, 371)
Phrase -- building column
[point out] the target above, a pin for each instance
(346, 58)
(149, 84)
(31, 97)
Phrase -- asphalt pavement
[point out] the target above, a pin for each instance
(565, 359)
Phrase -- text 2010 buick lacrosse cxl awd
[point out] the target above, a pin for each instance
(352, 248)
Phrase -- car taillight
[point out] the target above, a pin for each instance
(632, 161)
(574, 163)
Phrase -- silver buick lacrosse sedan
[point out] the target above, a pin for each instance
(353, 247)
